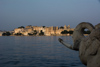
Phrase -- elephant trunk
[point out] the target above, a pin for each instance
(65, 44)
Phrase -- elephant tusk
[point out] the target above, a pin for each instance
(65, 44)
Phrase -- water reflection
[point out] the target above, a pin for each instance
(37, 52)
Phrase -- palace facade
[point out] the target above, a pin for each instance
(48, 31)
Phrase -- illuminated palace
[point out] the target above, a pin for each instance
(48, 31)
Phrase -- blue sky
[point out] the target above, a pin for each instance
(15, 13)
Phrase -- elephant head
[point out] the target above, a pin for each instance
(88, 47)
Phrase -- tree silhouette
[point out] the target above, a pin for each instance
(21, 27)
(64, 32)
(41, 33)
(70, 32)
(6, 34)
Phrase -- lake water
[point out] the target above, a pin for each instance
(37, 51)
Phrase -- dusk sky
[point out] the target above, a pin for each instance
(15, 13)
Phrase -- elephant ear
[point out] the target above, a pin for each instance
(89, 46)
(78, 33)
(95, 39)
(93, 48)
(97, 26)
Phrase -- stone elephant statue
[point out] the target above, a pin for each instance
(88, 46)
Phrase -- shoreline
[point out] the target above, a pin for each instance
(48, 35)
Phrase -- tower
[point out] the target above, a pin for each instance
(68, 26)
(65, 27)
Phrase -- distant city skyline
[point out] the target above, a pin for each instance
(15, 13)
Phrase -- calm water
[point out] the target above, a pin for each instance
(40, 51)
